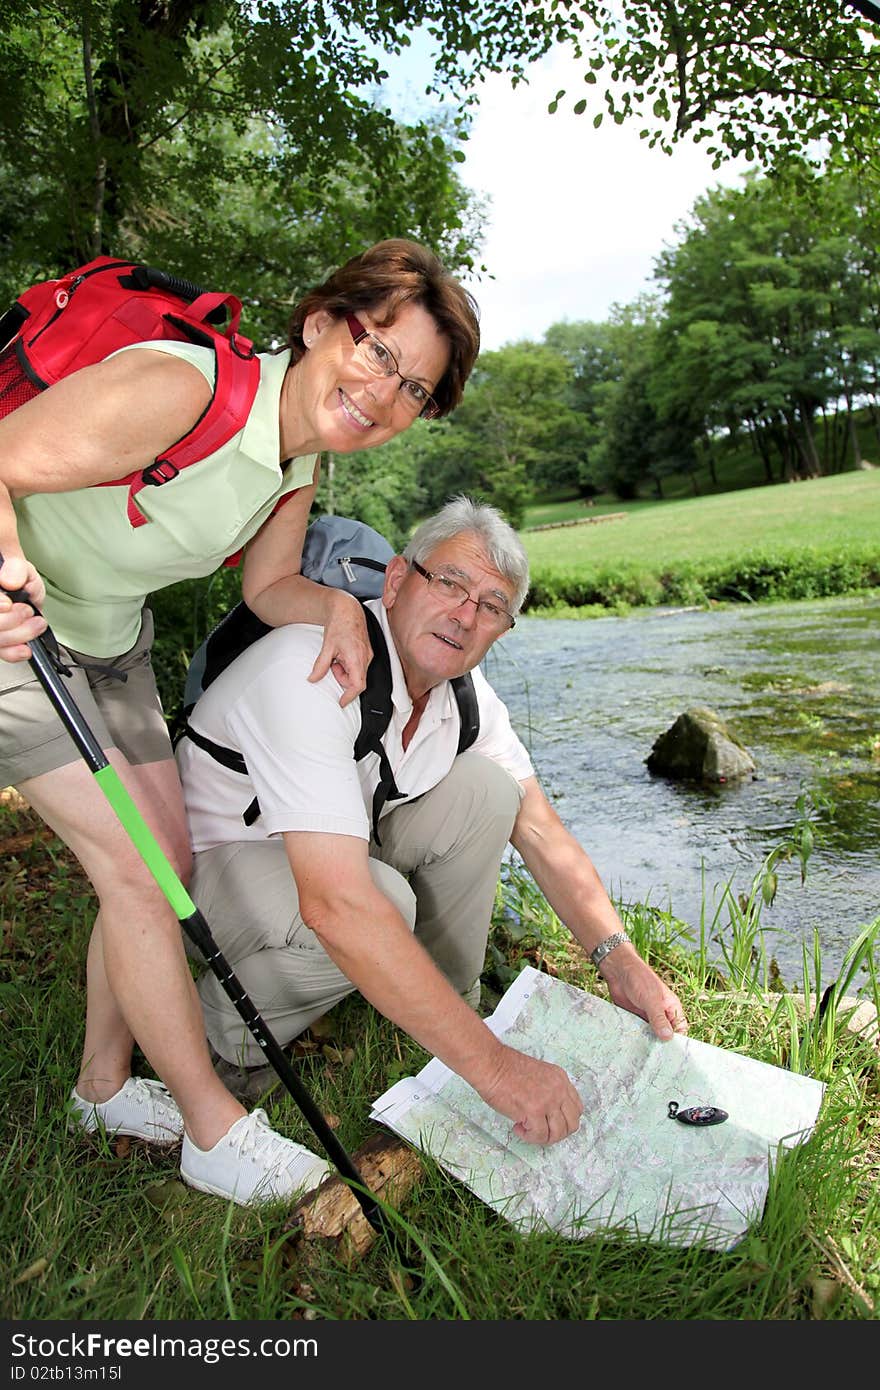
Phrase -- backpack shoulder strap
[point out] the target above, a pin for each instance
(234, 633)
(376, 705)
(235, 387)
(376, 716)
(375, 701)
(229, 758)
(468, 710)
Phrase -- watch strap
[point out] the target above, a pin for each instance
(605, 947)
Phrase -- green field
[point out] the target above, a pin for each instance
(802, 540)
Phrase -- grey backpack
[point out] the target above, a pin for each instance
(338, 551)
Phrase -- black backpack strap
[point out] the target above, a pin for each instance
(225, 644)
(375, 717)
(468, 710)
(232, 635)
(11, 322)
(229, 758)
(227, 639)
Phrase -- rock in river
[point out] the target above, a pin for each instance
(700, 747)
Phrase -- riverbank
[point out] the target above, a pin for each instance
(807, 540)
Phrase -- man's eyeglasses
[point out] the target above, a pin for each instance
(452, 595)
(380, 361)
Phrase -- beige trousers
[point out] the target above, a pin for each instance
(438, 863)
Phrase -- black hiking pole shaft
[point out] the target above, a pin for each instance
(189, 916)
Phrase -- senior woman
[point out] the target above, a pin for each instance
(388, 337)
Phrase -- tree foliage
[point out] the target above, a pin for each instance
(246, 143)
(765, 79)
(240, 144)
(592, 351)
(515, 431)
(772, 316)
(767, 330)
(117, 114)
(379, 486)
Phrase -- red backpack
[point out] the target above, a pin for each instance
(57, 326)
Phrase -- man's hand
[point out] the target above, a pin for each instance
(633, 985)
(538, 1096)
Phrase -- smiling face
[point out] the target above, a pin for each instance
(332, 402)
(434, 641)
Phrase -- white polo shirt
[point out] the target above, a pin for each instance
(298, 744)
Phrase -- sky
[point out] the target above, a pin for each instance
(577, 215)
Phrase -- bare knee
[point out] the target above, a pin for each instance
(126, 888)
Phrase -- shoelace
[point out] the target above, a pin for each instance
(154, 1093)
(255, 1135)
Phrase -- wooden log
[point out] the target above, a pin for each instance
(579, 521)
(332, 1213)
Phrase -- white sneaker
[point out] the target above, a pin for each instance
(252, 1164)
(144, 1109)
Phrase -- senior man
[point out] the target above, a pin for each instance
(304, 902)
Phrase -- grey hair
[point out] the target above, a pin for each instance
(502, 545)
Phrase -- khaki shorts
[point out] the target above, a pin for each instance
(121, 714)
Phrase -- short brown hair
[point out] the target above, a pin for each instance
(393, 273)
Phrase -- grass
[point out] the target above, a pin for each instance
(737, 466)
(802, 541)
(102, 1231)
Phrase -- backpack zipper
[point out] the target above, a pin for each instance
(62, 299)
(62, 296)
(349, 561)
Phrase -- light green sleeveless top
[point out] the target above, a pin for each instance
(98, 570)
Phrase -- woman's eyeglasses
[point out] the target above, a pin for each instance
(380, 361)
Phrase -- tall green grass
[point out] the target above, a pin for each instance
(805, 540)
(102, 1231)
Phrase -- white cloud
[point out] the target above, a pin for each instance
(578, 215)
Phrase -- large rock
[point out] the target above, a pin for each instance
(699, 747)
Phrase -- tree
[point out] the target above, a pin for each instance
(767, 79)
(759, 79)
(514, 431)
(629, 449)
(239, 144)
(772, 311)
(110, 108)
(592, 353)
(378, 486)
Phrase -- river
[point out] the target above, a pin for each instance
(798, 685)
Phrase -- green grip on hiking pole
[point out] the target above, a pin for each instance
(144, 841)
(189, 916)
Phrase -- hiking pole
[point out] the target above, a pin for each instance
(188, 915)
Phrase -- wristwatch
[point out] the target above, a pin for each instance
(602, 950)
